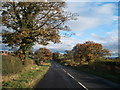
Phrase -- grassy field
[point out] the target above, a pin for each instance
(27, 78)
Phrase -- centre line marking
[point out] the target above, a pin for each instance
(75, 79)
(82, 85)
(63, 70)
(70, 75)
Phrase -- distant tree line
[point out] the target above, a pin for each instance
(86, 52)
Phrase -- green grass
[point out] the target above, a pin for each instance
(110, 75)
(106, 68)
(11, 65)
(27, 78)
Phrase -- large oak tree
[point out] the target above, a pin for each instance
(33, 22)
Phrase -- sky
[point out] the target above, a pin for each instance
(97, 21)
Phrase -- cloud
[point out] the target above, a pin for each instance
(92, 0)
(4, 28)
(91, 15)
(109, 42)
(0, 39)
(4, 47)
(84, 23)
(66, 43)
(106, 13)
(79, 34)
(106, 9)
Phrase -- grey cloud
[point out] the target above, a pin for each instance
(4, 47)
(109, 42)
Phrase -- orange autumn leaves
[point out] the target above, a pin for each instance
(43, 54)
(29, 23)
(88, 51)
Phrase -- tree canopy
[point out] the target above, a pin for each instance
(56, 55)
(68, 54)
(43, 54)
(33, 22)
(89, 51)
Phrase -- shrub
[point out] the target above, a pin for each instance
(37, 62)
(106, 65)
(28, 61)
(11, 65)
(66, 62)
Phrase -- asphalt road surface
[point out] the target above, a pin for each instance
(59, 76)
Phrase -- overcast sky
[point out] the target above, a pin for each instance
(97, 21)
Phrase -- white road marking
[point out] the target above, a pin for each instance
(57, 65)
(63, 70)
(70, 75)
(75, 79)
(82, 85)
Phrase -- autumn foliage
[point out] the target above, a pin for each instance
(56, 55)
(29, 23)
(88, 51)
(43, 54)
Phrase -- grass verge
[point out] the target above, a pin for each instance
(110, 75)
(27, 78)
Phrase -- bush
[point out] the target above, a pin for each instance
(28, 61)
(11, 65)
(66, 62)
(37, 62)
(106, 65)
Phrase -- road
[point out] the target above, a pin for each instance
(59, 76)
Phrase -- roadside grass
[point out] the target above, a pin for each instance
(11, 65)
(105, 68)
(110, 75)
(27, 78)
